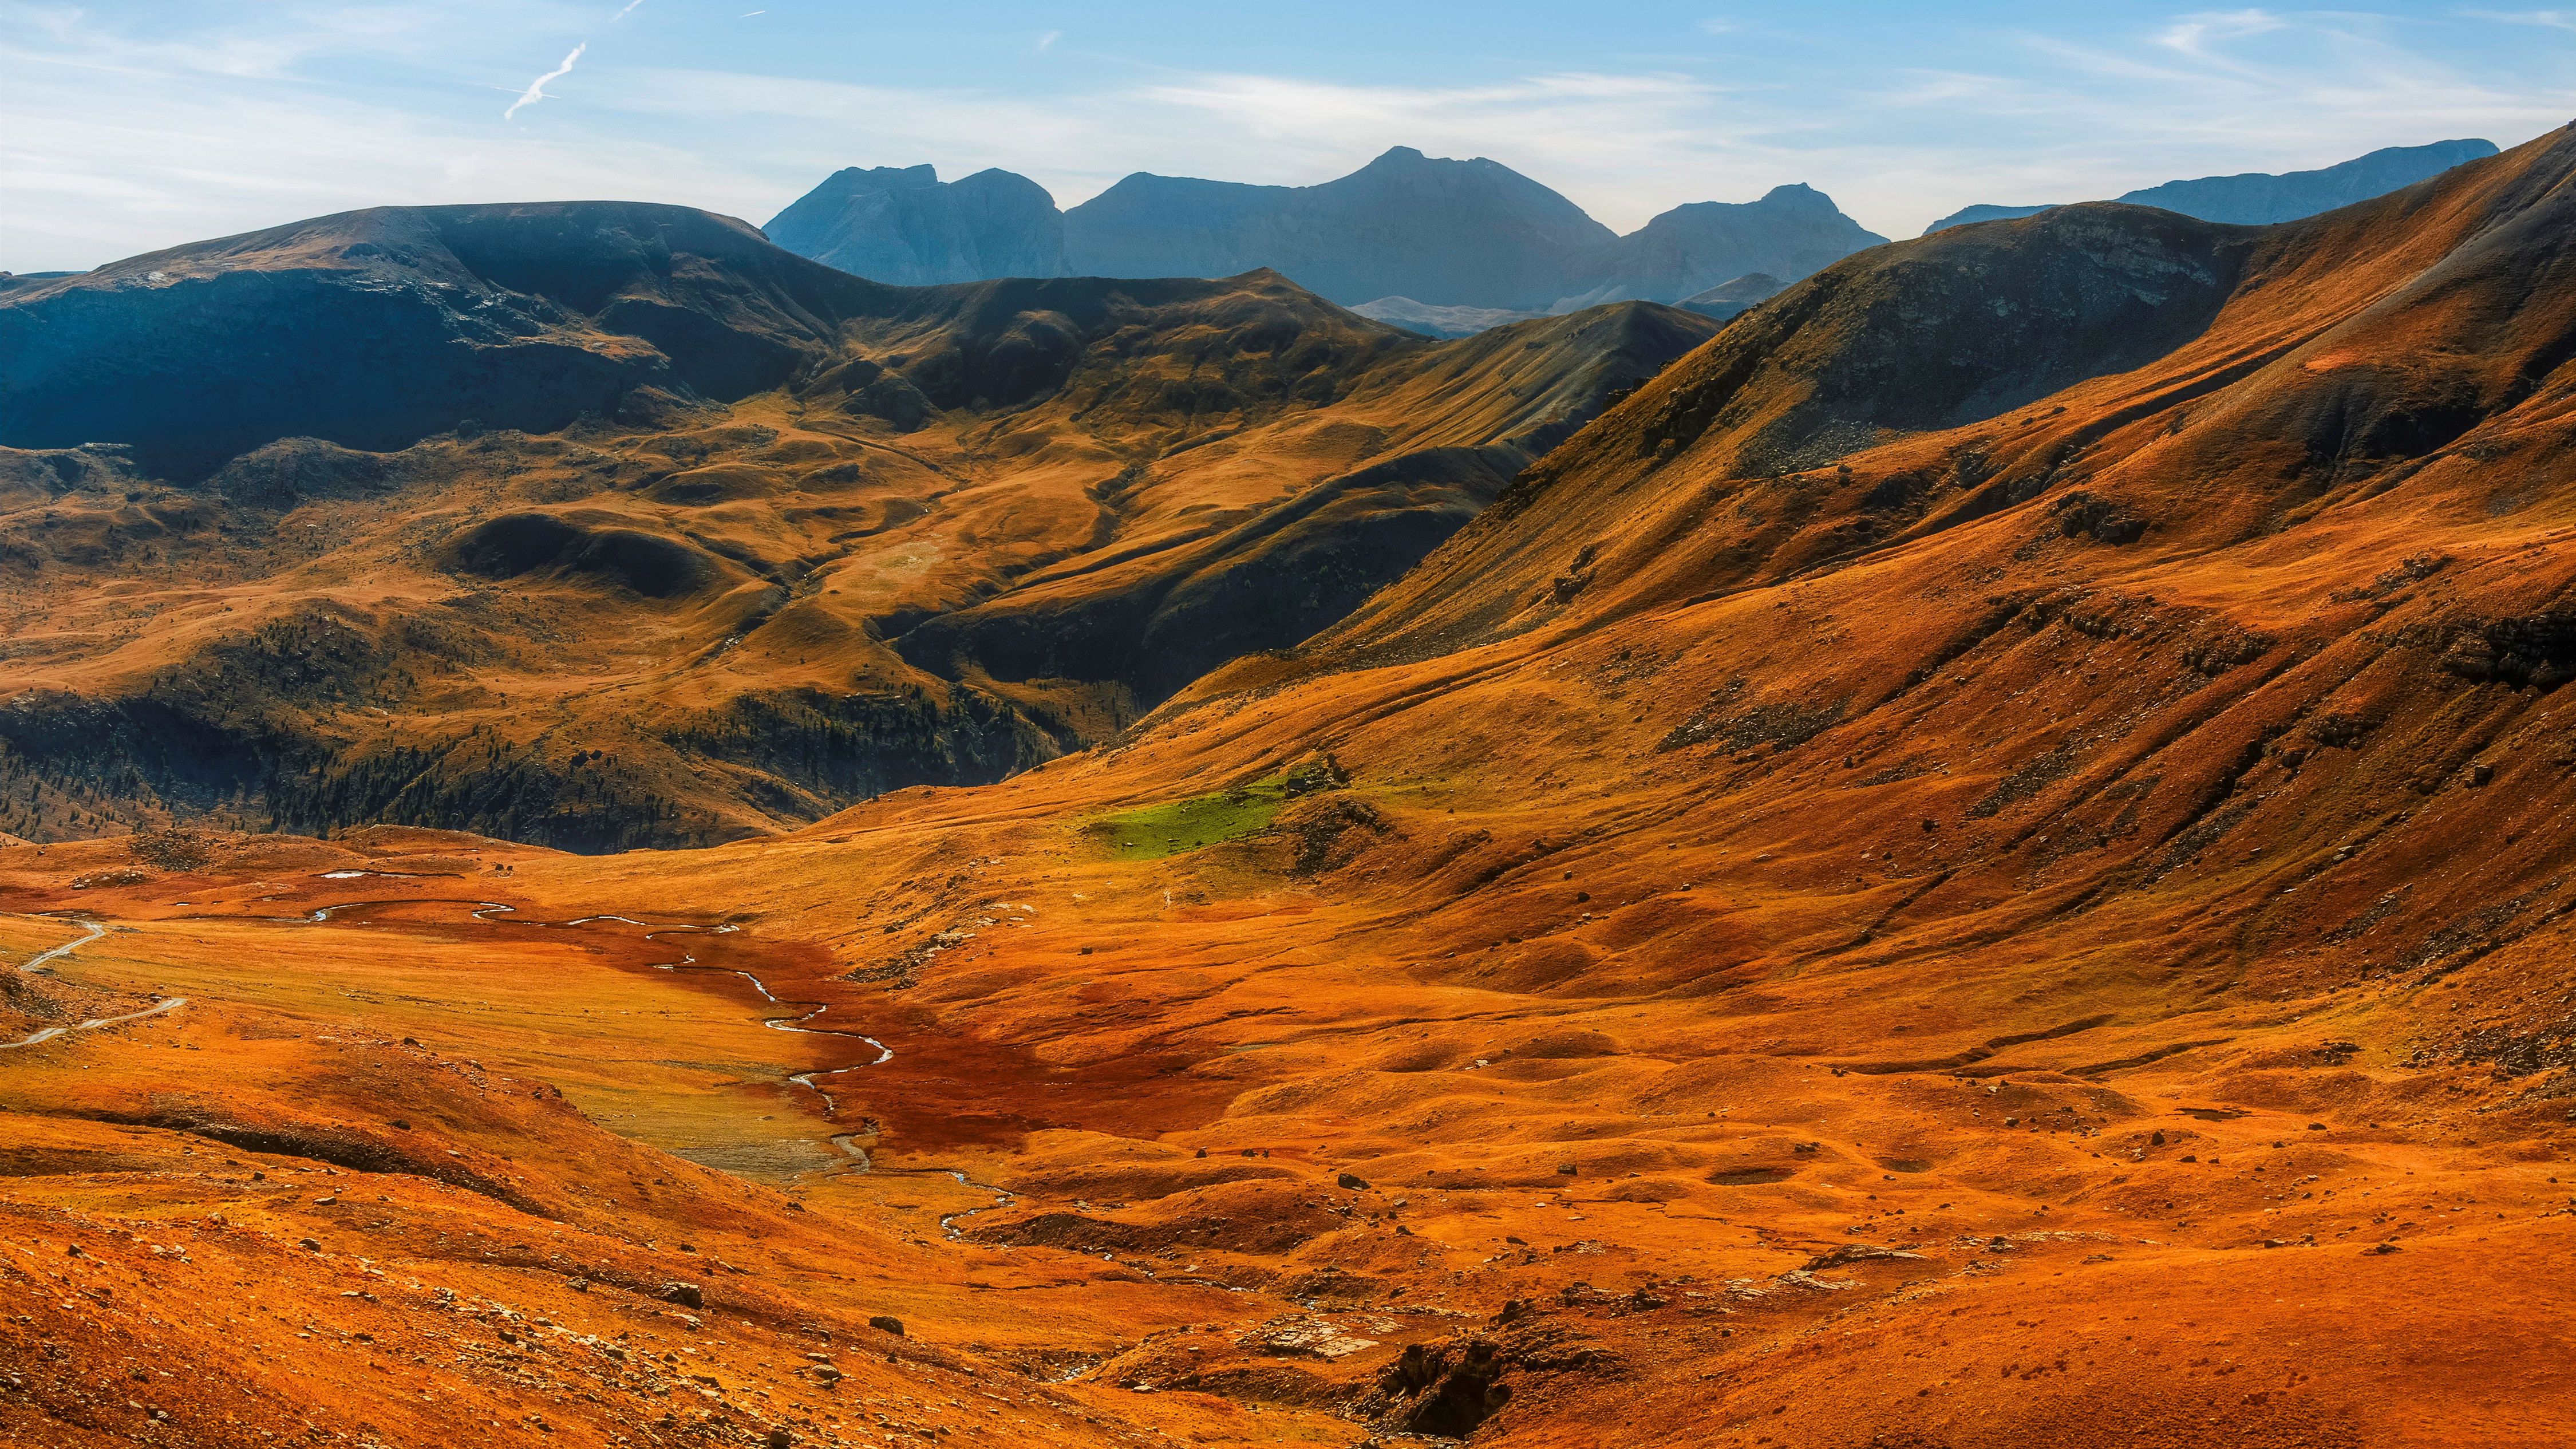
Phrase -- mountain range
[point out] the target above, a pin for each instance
(842, 535)
(2256, 198)
(1407, 230)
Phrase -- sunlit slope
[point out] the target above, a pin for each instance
(2140, 374)
(650, 503)
(2069, 952)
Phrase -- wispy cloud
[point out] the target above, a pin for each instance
(536, 90)
(2194, 35)
(2552, 19)
(130, 127)
(1048, 40)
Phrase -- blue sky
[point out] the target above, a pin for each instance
(130, 126)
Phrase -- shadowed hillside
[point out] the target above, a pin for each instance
(599, 525)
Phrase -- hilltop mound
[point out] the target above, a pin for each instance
(374, 329)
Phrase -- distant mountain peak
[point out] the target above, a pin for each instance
(886, 178)
(1798, 193)
(902, 224)
(1432, 232)
(2262, 198)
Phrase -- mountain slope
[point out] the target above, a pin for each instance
(905, 226)
(1733, 298)
(1443, 232)
(1712, 956)
(1457, 426)
(375, 328)
(1790, 232)
(667, 609)
(2256, 198)
(2192, 376)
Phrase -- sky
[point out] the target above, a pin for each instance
(128, 127)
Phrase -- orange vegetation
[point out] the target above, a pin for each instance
(2040, 925)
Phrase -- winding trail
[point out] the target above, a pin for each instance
(96, 930)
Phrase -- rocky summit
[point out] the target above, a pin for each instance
(1443, 245)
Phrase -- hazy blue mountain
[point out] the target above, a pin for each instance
(1729, 298)
(1420, 317)
(1433, 243)
(2254, 199)
(2257, 198)
(1985, 212)
(902, 224)
(1790, 232)
(1446, 233)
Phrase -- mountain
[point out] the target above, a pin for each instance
(1439, 321)
(1986, 212)
(1405, 233)
(1728, 299)
(2026, 777)
(1790, 232)
(2256, 198)
(905, 226)
(1446, 233)
(373, 329)
(1457, 425)
(758, 537)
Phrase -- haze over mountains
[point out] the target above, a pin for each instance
(1434, 232)
(2257, 198)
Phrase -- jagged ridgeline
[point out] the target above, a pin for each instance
(605, 525)
(1426, 242)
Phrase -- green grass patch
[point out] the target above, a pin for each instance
(1204, 820)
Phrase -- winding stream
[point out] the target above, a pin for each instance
(794, 1016)
(792, 1020)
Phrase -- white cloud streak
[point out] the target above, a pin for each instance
(2550, 19)
(536, 90)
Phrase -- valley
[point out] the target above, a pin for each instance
(1976, 857)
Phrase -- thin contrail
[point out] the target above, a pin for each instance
(620, 15)
(536, 90)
